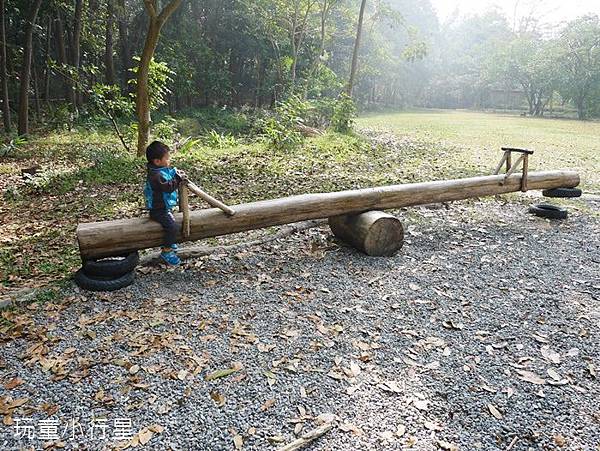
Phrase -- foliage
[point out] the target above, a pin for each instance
(159, 77)
(280, 130)
(579, 63)
(165, 130)
(344, 112)
(109, 100)
(219, 140)
(13, 144)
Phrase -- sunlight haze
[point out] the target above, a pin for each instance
(551, 11)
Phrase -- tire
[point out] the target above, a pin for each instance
(103, 284)
(562, 192)
(548, 211)
(112, 266)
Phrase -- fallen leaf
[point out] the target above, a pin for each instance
(447, 445)
(220, 373)
(432, 426)
(401, 430)
(553, 374)
(550, 355)
(267, 405)
(494, 411)
(349, 427)
(182, 374)
(421, 404)
(530, 377)
(387, 436)
(14, 382)
(560, 440)
(452, 325)
(218, 398)
(354, 368)
(145, 435)
(238, 441)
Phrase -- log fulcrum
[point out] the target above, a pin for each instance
(375, 233)
(103, 239)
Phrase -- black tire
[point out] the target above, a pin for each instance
(111, 266)
(103, 284)
(562, 192)
(548, 211)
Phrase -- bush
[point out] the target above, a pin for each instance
(344, 112)
(280, 130)
(219, 140)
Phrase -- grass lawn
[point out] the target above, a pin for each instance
(86, 176)
(477, 138)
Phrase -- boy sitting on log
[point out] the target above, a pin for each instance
(160, 191)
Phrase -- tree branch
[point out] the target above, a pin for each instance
(168, 10)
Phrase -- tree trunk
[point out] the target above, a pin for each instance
(3, 74)
(62, 56)
(47, 68)
(375, 233)
(26, 70)
(356, 48)
(108, 49)
(36, 91)
(124, 48)
(142, 103)
(76, 51)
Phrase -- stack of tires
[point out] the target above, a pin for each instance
(551, 211)
(107, 274)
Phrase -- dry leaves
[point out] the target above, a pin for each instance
(494, 411)
(530, 377)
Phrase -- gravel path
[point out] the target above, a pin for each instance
(482, 333)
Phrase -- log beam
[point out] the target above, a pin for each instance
(102, 239)
(375, 233)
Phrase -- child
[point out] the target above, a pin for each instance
(160, 191)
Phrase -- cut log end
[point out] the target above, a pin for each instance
(375, 233)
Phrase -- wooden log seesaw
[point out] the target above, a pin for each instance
(355, 216)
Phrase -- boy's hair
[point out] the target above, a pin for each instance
(156, 150)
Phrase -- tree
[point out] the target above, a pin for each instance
(529, 62)
(3, 75)
(579, 60)
(108, 47)
(76, 53)
(26, 69)
(142, 104)
(354, 65)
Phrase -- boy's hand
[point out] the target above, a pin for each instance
(182, 175)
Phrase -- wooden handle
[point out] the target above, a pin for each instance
(211, 200)
(184, 207)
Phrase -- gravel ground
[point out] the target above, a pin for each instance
(481, 333)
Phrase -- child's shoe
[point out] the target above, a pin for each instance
(170, 258)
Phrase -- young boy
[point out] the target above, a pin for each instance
(161, 196)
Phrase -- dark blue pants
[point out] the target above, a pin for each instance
(167, 221)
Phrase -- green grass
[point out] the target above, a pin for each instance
(477, 137)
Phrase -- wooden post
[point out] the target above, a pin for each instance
(375, 233)
(508, 160)
(184, 208)
(525, 171)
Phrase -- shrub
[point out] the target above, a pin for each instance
(344, 112)
(280, 130)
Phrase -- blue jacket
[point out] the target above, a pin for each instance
(161, 187)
